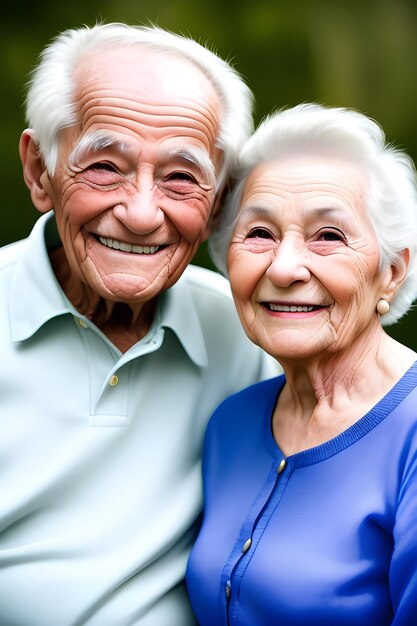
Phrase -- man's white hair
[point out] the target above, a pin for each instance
(50, 103)
(315, 130)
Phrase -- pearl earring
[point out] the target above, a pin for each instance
(382, 306)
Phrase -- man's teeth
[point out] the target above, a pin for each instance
(127, 247)
(290, 309)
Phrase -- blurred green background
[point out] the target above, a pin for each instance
(356, 53)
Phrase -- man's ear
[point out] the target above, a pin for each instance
(215, 215)
(396, 274)
(34, 171)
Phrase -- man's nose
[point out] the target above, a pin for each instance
(140, 213)
(289, 263)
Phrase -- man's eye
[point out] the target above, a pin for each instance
(107, 167)
(102, 174)
(259, 233)
(181, 176)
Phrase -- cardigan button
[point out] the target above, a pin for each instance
(228, 589)
(281, 466)
(247, 545)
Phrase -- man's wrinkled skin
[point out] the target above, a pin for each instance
(134, 188)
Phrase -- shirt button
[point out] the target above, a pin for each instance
(228, 590)
(281, 466)
(82, 323)
(247, 545)
(114, 380)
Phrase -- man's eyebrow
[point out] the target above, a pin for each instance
(100, 140)
(197, 157)
(96, 142)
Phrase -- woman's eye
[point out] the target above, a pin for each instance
(331, 235)
(259, 233)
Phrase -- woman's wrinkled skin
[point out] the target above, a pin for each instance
(304, 269)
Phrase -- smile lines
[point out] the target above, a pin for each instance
(127, 247)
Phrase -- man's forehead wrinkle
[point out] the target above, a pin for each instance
(159, 119)
(174, 130)
(166, 129)
(106, 98)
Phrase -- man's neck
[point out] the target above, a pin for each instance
(122, 325)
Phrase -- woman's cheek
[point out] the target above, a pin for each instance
(244, 276)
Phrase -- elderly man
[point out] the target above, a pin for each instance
(114, 352)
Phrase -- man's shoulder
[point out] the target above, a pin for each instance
(213, 301)
(206, 282)
(11, 253)
(226, 342)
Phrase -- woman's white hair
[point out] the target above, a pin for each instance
(50, 104)
(312, 129)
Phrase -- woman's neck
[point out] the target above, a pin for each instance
(326, 394)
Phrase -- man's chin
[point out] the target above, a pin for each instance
(129, 289)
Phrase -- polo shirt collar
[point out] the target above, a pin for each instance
(36, 296)
(178, 312)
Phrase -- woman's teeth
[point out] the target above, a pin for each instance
(284, 308)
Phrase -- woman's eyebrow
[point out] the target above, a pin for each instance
(255, 210)
(325, 211)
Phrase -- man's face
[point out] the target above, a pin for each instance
(135, 181)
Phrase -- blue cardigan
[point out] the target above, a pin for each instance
(324, 537)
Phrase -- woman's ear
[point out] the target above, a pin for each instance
(397, 273)
(34, 171)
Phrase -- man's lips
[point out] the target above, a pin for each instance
(115, 244)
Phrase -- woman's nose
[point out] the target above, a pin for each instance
(289, 263)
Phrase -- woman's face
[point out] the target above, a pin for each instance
(304, 260)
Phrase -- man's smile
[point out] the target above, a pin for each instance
(128, 247)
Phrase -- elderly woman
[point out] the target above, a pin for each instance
(311, 478)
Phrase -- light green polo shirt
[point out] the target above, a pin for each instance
(100, 451)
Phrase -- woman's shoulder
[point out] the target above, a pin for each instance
(247, 405)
